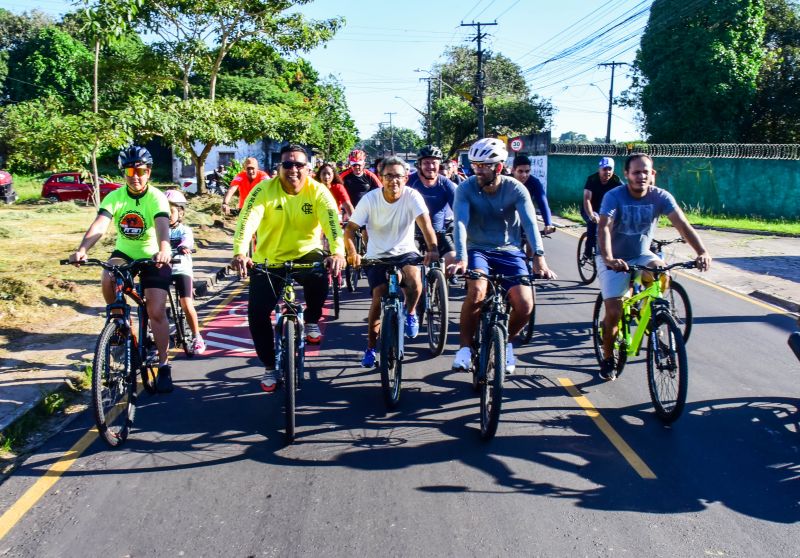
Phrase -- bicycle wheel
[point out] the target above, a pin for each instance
(337, 287)
(526, 334)
(680, 308)
(182, 331)
(289, 377)
(493, 366)
(587, 268)
(351, 276)
(667, 367)
(437, 311)
(113, 385)
(146, 367)
(620, 350)
(390, 364)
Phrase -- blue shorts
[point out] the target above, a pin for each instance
(376, 274)
(498, 262)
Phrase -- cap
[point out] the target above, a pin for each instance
(606, 162)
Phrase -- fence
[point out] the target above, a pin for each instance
(695, 150)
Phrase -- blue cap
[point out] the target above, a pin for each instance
(606, 162)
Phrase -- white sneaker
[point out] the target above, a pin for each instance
(313, 334)
(463, 359)
(270, 380)
(511, 360)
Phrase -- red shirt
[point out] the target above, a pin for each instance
(339, 194)
(245, 185)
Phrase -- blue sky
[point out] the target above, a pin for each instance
(557, 45)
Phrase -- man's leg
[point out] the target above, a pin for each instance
(374, 316)
(613, 307)
(591, 237)
(157, 313)
(521, 299)
(259, 308)
(412, 287)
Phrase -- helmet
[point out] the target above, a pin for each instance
(488, 150)
(429, 151)
(357, 156)
(176, 197)
(134, 155)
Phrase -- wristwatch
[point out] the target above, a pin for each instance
(539, 253)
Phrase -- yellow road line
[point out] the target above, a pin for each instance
(19, 508)
(616, 440)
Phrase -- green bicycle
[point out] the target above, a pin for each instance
(647, 314)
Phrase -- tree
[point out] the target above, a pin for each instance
(333, 132)
(405, 140)
(573, 137)
(697, 69)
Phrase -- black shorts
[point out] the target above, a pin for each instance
(444, 240)
(376, 274)
(150, 276)
(183, 284)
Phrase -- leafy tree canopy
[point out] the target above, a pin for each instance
(405, 140)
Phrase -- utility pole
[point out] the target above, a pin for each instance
(479, 76)
(391, 130)
(611, 94)
(428, 116)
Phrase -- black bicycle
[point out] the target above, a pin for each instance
(180, 332)
(119, 354)
(489, 349)
(290, 339)
(432, 307)
(587, 267)
(353, 274)
(526, 334)
(676, 294)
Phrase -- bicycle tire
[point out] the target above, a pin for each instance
(147, 370)
(391, 367)
(289, 377)
(113, 385)
(336, 280)
(437, 309)
(680, 307)
(491, 382)
(587, 267)
(526, 334)
(182, 330)
(667, 368)
(620, 350)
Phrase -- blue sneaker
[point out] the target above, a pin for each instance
(369, 358)
(412, 325)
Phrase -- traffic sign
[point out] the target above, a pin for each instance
(517, 144)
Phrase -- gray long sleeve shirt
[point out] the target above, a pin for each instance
(492, 221)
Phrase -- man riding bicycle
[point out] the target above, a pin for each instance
(141, 216)
(358, 179)
(489, 209)
(243, 183)
(628, 219)
(597, 185)
(288, 212)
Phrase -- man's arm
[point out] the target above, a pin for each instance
(686, 230)
(353, 257)
(587, 205)
(424, 223)
(540, 198)
(164, 255)
(234, 186)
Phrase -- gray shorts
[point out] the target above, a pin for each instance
(614, 284)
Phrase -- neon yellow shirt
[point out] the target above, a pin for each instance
(134, 216)
(288, 226)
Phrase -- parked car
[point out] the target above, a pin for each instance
(66, 186)
(7, 193)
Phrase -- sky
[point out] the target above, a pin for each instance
(385, 49)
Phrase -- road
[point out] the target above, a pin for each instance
(206, 473)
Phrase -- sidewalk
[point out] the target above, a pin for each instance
(764, 267)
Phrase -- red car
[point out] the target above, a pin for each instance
(65, 186)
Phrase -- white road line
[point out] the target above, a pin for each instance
(245, 340)
(234, 348)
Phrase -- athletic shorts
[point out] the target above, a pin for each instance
(499, 262)
(376, 274)
(614, 284)
(183, 284)
(151, 277)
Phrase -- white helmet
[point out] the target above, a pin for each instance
(488, 150)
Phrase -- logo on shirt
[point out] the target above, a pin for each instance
(279, 208)
(307, 208)
(132, 225)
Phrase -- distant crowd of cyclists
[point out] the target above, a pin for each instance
(483, 220)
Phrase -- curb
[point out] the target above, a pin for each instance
(776, 300)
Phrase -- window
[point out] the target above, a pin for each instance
(225, 158)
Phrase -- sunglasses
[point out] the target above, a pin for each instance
(296, 164)
(138, 171)
(483, 165)
(250, 168)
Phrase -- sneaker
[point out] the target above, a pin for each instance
(607, 371)
(463, 359)
(270, 380)
(511, 360)
(164, 379)
(198, 345)
(313, 334)
(369, 359)
(412, 325)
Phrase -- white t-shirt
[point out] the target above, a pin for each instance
(390, 226)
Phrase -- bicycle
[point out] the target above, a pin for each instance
(678, 297)
(390, 342)
(175, 314)
(119, 355)
(489, 349)
(433, 304)
(587, 265)
(353, 274)
(290, 339)
(335, 282)
(526, 334)
(649, 313)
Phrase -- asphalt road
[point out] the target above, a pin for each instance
(206, 473)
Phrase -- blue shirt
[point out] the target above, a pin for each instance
(492, 221)
(539, 196)
(437, 198)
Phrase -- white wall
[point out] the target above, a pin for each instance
(241, 150)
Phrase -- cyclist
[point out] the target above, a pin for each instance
(182, 241)
(358, 179)
(389, 214)
(438, 193)
(489, 209)
(141, 216)
(521, 170)
(597, 185)
(327, 175)
(288, 211)
(628, 219)
(243, 183)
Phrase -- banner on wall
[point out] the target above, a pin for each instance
(539, 169)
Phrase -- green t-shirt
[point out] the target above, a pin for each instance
(135, 218)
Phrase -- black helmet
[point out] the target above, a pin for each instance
(134, 155)
(429, 151)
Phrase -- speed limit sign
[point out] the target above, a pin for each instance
(517, 144)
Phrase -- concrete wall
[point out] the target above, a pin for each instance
(755, 187)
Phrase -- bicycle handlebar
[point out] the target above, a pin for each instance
(661, 243)
(111, 267)
(659, 270)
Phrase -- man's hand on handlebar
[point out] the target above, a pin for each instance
(616, 264)
(335, 263)
(457, 268)
(77, 257)
(240, 264)
(703, 262)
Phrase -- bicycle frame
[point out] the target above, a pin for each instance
(633, 342)
(392, 300)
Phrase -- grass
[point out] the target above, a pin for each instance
(15, 437)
